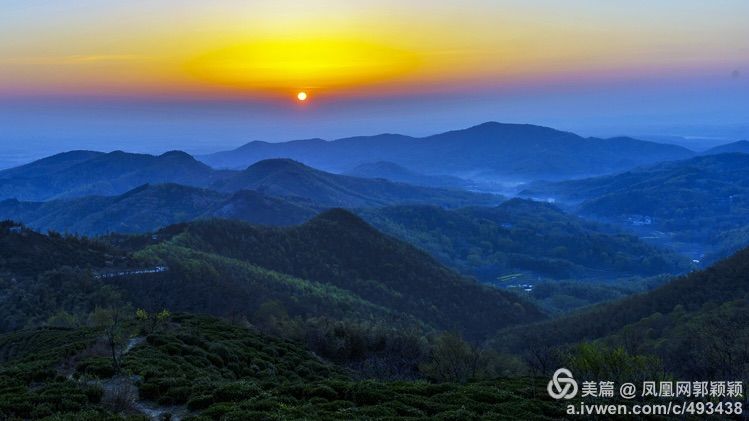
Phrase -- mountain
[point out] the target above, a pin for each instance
(334, 267)
(703, 172)
(523, 240)
(517, 242)
(694, 200)
(50, 165)
(516, 151)
(741, 146)
(45, 276)
(338, 249)
(258, 208)
(150, 207)
(83, 173)
(91, 173)
(394, 172)
(695, 324)
(290, 179)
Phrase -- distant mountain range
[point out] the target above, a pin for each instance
(150, 207)
(517, 151)
(50, 165)
(85, 173)
(82, 173)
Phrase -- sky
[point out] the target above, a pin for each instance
(202, 76)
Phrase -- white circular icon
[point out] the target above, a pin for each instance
(562, 385)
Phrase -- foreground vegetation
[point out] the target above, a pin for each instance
(327, 320)
(203, 369)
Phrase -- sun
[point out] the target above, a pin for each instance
(301, 96)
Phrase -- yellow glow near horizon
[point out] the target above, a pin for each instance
(302, 96)
(282, 65)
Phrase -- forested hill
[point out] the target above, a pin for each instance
(335, 266)
(24, 252)
(697, 200)
(288, 178)
(340, 249)
(523, 236)
(150, 207)
(84, 173)
(691, 322)
(649, 189)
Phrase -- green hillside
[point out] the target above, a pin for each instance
(334, 266)
(695, 324)
(24, 252)
(337, 248)
(211, 283)
(523, 236)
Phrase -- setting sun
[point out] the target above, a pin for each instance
(301, 96)
(277, 65)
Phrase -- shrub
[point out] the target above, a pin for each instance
(200, 402)
(237, 391)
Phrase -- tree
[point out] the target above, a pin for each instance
(271, 317)
(143, 319)
(151, 322)
(162, 318)
(62, 319)
(110, 320)
(592, 360)
(452, 360)
(540, 357)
